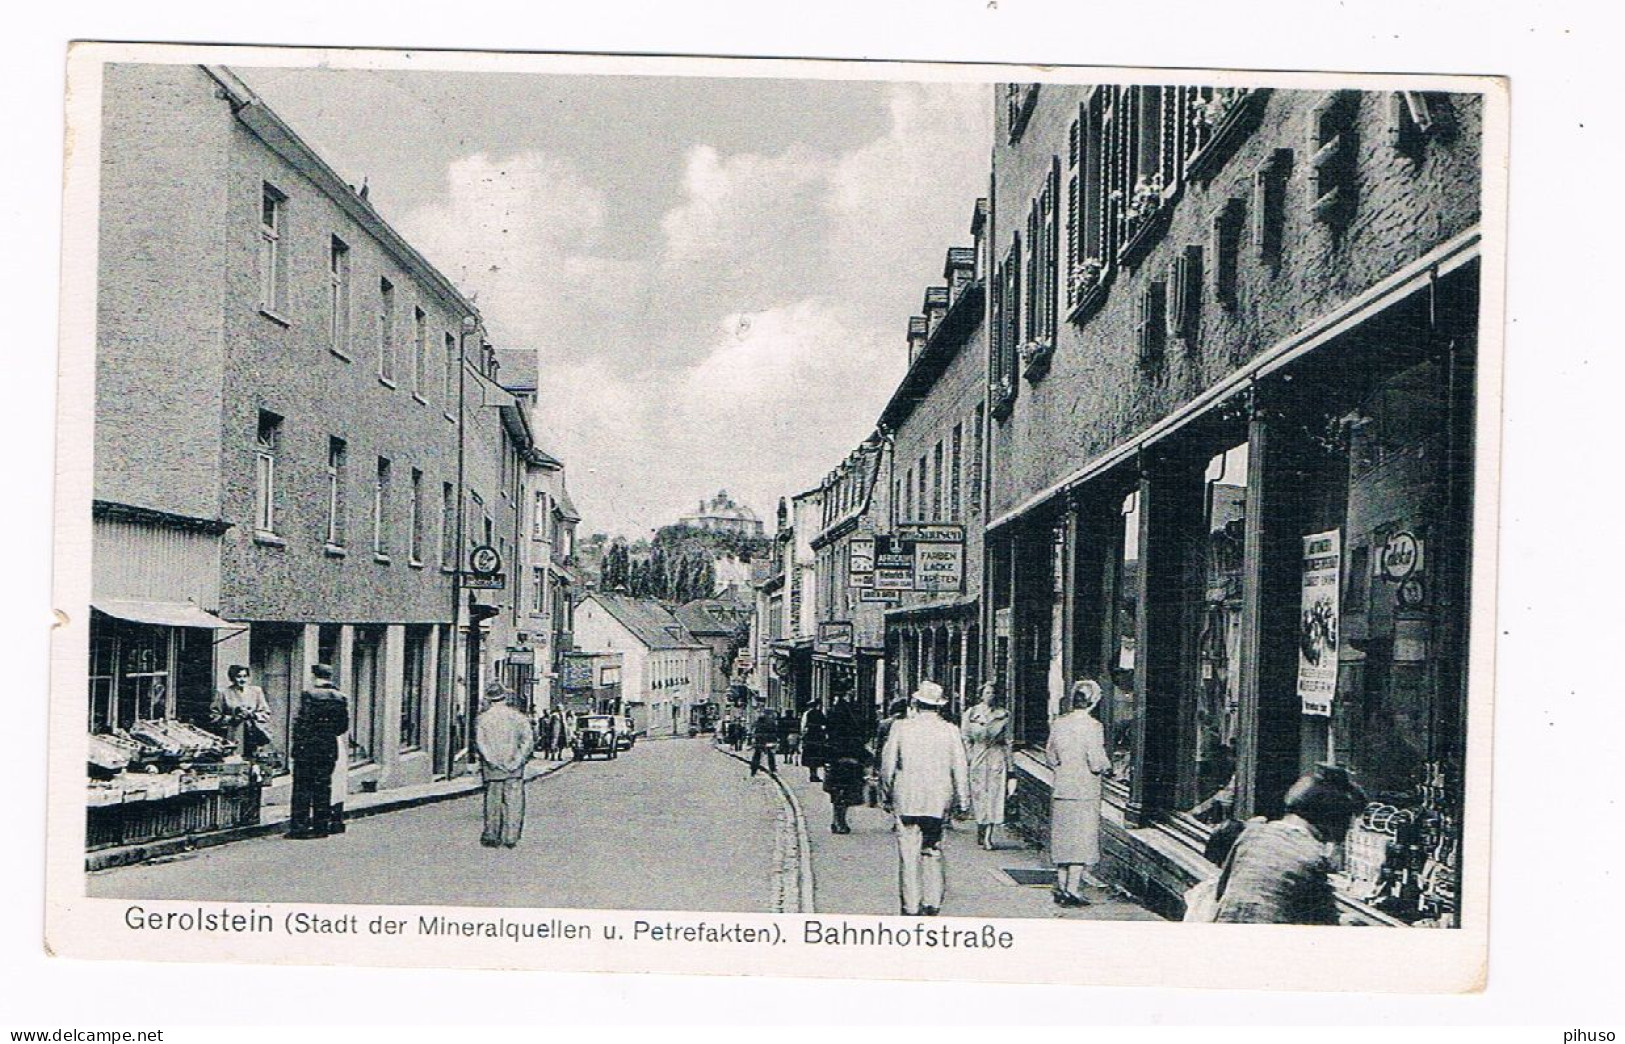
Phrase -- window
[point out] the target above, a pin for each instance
(1218, 634)
(1153, 324)
(1006, 329)
(1122, 637)
(273, 278)
(338, 297)
(1038, 300)
(448, 526)
(415, 524)
(366, 692)
(540, 515)
(265, 452)
(414, 684)
(336, 454)
(380, 511)
(936, 482)
(1269, 207)
(1333, 163)
(386, 331)
(1019, 101)
(1227, 223)
(538, 590)
(976, 460)
(1185, 310)
(908, 495)
(956, 462)
(449, 392)
(924, 505)
(420, 351)
(897, 501)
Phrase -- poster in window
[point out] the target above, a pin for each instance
(1318, 623)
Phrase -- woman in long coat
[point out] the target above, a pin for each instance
(986, 728)
(1077, 754)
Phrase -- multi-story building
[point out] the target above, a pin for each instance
(291, 406)
(849, 636)
(1231, 394)
(935, 423)
(664, 670)
(790, 599)
(721, 514)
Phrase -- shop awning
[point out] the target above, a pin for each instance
(164, 614)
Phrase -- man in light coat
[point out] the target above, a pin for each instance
(505, 740)
(924, 777)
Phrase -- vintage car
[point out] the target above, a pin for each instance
(625, 734)
(595, 735)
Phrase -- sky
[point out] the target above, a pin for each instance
(717, 274)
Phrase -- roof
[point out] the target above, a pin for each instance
(566, 506)
(650, 622)
(517, 369)
(698, 618)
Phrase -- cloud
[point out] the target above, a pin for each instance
(523, 234)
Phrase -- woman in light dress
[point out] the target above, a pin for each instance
(1077, 755)
(986, 728)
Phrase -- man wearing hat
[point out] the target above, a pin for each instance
(924, 776)
(505, 741)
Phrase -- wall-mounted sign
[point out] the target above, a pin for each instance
(1401, 556)
(868, 596)
(861, 558)
(894, 573)
(939, 566)
(1318, 621)
(1412, 594)
(930, 533)
(485, 581)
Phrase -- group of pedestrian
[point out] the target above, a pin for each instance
(552, 735)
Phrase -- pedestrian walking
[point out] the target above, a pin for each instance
(846, 757)
(1279, 871)
(241, 711)
(764, 736)
(986, 728)
(505, 742)
(814, 733)
(895, 711)
(924, 777)
(1077, 754)
(322, 719)
(557, 734)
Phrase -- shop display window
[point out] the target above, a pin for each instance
(1218, 634)
(366, 676)
(131, 677)
(1123, 611)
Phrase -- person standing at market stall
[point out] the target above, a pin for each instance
(505, 740)
(242, 711)
(1077, 754)
(318, 728)
(925, 778)
(986, 728)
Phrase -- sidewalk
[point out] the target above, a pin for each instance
(856, 873)
(274, 816)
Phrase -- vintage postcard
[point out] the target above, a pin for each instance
(777, 517)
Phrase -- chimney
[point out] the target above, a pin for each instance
(935, 307)
(959, 270)
(916, 338)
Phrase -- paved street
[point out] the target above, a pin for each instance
(670, 825)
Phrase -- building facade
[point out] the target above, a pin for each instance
(721, 514)
(299, 433)
(936, 424)
(1232, 345)
(664, 668)
(849, 639)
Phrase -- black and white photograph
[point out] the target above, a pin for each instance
(834, 506)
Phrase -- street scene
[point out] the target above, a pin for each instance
(1048, 500)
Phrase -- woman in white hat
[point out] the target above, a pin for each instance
(1077, 754)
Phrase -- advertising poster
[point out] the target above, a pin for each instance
(1317, 623)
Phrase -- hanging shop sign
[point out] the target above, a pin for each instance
(920, 557)
(1318, 621)
(939, 566)
(484, 570)
(835, 637)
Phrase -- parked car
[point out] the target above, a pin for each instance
(625, 733)
(595, 735)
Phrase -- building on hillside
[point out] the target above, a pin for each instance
(721, 514)
(935, 427)
(1231, 394)
(665, 668)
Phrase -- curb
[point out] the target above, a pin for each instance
(133, 855)
(806, 897)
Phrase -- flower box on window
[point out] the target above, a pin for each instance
(1219, 122)
(1090, 279)
(1146, 215)
(1035, 358)
(1003, 392)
